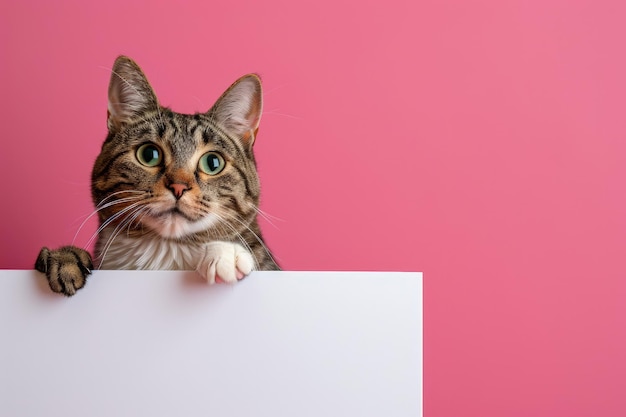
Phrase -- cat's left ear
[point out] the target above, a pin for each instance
(238, 110)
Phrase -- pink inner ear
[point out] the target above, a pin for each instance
(254, 115)
(254, 121)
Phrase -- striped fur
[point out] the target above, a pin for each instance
(171, 213)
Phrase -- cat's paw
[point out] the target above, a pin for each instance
(66, 268)
(225, 261)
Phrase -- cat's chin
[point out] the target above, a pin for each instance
(174, 226)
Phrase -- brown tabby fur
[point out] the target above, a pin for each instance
(167, 216)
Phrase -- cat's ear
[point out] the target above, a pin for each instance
(238, 110)
(130, 93)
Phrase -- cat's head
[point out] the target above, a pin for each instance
(177, 174)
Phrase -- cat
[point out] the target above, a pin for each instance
(172, 191)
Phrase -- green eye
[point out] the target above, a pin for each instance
(149, 155)
(211, 163)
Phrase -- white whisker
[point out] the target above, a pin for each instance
(118, 229)
(111, 219)
(276, 113)
(258, 239)
(102, 207)
(268, 217)
(119, 192)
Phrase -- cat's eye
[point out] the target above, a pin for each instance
(211, 163)
(149, 155)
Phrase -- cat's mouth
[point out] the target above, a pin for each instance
(176, 211)
(175, 223)
(168, 218)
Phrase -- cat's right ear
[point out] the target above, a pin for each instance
(130, 94)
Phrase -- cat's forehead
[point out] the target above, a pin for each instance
(184, 134)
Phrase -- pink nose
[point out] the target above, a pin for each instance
(178, 189)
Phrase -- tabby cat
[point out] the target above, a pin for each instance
(171, 190)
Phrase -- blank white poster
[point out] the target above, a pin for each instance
(162, 343)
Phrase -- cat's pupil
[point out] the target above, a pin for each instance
(213, 163)
(150, 154)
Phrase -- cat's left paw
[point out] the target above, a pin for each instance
(66, 268)
(225, 261)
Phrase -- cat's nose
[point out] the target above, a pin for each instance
(178, 189)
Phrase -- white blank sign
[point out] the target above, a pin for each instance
(157, 343)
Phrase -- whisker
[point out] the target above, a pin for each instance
(98, 208)
(134, 217)
(111, 219)
(268, 217)
(258, 239)
(119, 192)
(118, 229)
(275, 113)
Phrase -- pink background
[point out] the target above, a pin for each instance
(483, 143)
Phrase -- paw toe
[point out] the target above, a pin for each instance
(245, 264)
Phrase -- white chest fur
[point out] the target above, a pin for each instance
(149, 253)
(224, 260)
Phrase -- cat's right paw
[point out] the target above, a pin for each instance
(226, 262)
(66, 268)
